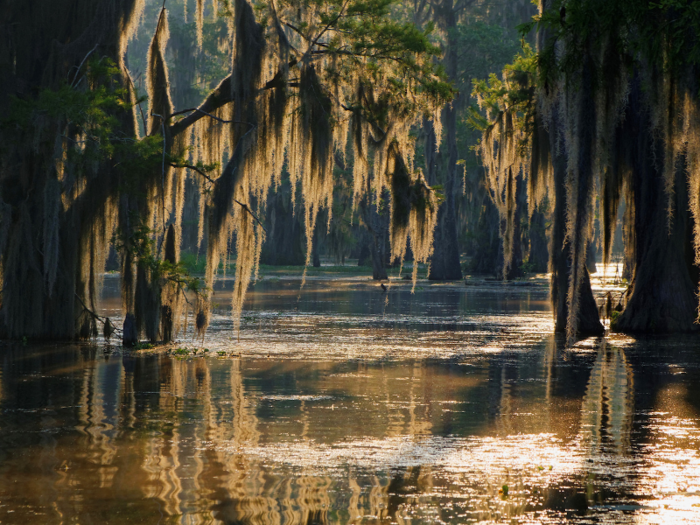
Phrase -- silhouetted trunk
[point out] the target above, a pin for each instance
(661, 296)
(560, 263)
(379, 255)
(591, 256)
(129, 334)
(315, 257)
(488, 241)
(285, 242)
(444, 264)
(539, 252)
(378, 226)
(365, 257)
(44, 247)
(515, 268)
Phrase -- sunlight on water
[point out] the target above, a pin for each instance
(449, 406)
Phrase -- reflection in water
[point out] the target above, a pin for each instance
(608, 406)
(533, 433)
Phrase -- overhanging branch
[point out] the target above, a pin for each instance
(221, 96)
(208, 178)
(216, 99)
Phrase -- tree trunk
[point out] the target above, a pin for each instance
(488, 240)
(444, 263)
(538, 258)
(315, 257)
(365, 256)
(285, 242)
(379, 254)
(591, 254)
(378, 226)
(560, 263)
(49, 254)
(661, 297)
(515, 267)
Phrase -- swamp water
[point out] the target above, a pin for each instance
(341, 403)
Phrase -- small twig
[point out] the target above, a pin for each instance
(143, 117)
(72, 84)
(207, 177)
(193, 168)
(246, 208)
(103, 320)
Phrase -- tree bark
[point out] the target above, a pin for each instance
(538, 258)
(488, 240)
(661, 297)
(285, 242)
(515, 267)
(444, 263)
(560, 263)
(378, 226)
(43, 45)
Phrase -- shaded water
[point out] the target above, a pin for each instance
(344, 404)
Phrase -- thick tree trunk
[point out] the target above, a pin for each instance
(560, 263)
(378, 226)
(488, 241)
(365, 256)
(50, 276)
(515, 267)
(379, 255)
(285, 242)
(315, 256)
(661, 297)
(591, 256)
(444, 263)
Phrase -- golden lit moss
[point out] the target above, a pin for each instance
(505, 151)
(294, 92)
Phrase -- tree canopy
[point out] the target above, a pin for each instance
(606, 113)
(308, 81)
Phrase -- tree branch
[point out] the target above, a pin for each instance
(212, 116)
(216, 99)
(221, 96)
(207, 177)
(103, 320)
(193, 168)
(246, 208)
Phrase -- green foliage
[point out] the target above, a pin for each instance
(514, 92)
(614, 317)
(527, 267)
(89, 109)
(140, 247)
(661, 31)
(366, 41)
(192, 263)
(483, 48)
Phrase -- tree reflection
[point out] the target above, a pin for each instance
(608, 406)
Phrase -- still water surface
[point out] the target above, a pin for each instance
(340, 403)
